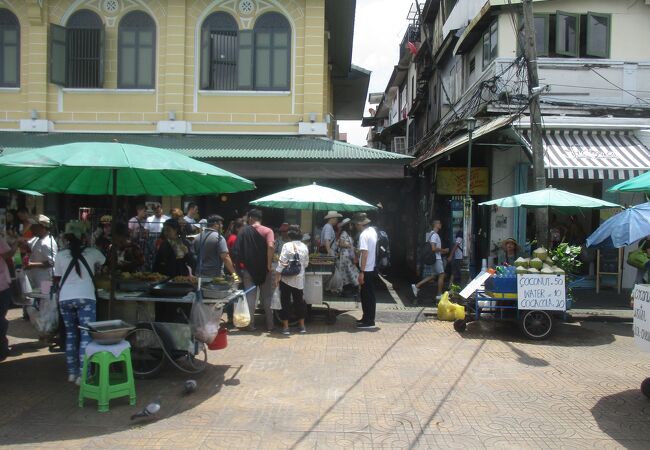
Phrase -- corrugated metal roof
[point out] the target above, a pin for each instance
(213, 147)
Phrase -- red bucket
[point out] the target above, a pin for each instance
(221, 341)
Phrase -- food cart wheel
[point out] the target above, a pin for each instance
(460, 325)
(196, 362)
(536, 324)
(147, 354)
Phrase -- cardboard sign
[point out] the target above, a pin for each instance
(473, 285)
(544, 292)
(641, 325)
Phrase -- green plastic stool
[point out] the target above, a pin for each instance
(105, 385)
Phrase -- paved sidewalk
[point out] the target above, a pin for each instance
(413, 383)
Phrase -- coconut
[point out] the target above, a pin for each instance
(536, 263)
(540, 253)
(549, 261)
(533, 270)
(521, 262)
(547, 271)
(558, 271)
(520, 270)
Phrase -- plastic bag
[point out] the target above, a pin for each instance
(241, 316)
(638, 258)
(336, 281)
(275, 301)
(204, 321)
(449, 311)
(44, 316)
(20, 286)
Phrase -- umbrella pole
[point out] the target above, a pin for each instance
(113, 255)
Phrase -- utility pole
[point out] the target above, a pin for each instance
(539, 171)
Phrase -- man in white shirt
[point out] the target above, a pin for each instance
(328, 235)
(43, 251)
(367, 274)
(437, 269)
(155, 223)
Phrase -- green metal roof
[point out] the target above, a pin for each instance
(212, 147)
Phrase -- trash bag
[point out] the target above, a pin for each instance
(449, 311)
(241, 316)
(204, 321)
(275, 301)
(44, 316)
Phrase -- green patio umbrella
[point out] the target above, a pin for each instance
(636, 184)
(314, 197)
(551, 197)
(90, 168)
(114, 168)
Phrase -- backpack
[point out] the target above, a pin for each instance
(428, 256)
(382, 251)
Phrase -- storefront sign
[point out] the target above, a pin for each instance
(546, 292)
(453, 181)
(641, 325)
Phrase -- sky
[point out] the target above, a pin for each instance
(378, 30)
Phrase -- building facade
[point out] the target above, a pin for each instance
(595, 99)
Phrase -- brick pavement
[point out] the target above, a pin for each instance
(414, 383)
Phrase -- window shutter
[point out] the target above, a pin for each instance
(100, 66)
(245, 60)
(58, 54)
(205, 62)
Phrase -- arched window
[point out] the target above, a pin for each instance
(136, 51)
(219, 52)
(9, 49)
(272, 52)
(77, 51)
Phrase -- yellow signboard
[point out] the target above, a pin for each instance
(453, 181)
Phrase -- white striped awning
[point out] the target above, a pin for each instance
(593, 154)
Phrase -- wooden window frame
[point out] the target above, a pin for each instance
(120, 45)
(488, 34)
(576, 16)
(547, 34)
(3, 83)
(588, 50)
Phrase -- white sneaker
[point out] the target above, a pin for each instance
(415, 290)
(72, 378)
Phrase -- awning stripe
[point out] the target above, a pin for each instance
(593, 154)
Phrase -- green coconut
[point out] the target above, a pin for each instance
(558, 271)
(521, 262)
(520, 270)
(536, 263)
(549, 261)
(540, 253)
(533, 270)
(547, 271)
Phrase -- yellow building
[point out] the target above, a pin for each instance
(255, 86)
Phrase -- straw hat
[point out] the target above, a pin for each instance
(361, 218)
(332, 215)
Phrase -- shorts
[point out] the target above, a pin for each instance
(434, 269)
(453, 268)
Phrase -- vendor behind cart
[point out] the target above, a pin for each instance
(212, 249)
(43, 250)
(129, 256)
(74, 270)
(173, 257)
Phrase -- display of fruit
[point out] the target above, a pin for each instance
(522, 262)
(151, 277)
(536, 263)
(533, 270)
(184, 279)
(520, 270)
(540, 253)
(219, 280)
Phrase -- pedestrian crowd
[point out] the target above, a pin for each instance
(262, 259)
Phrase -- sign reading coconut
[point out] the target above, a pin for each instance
(545, 292)
(641, 325)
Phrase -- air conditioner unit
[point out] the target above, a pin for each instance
(399, 144)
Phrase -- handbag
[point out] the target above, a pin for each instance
(294, 266)
(638, 258)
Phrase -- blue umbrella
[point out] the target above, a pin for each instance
(623, 229)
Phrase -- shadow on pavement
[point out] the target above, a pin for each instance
(40, 408)
(564, 334)
(625, 418)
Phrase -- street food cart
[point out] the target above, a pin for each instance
(319, 270)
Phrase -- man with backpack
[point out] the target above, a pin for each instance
(367, 273)
(433, 266)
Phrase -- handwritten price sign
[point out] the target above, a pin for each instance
(545, 292)
(641, 325)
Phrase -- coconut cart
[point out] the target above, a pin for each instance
(533, 301)
(533, 295)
